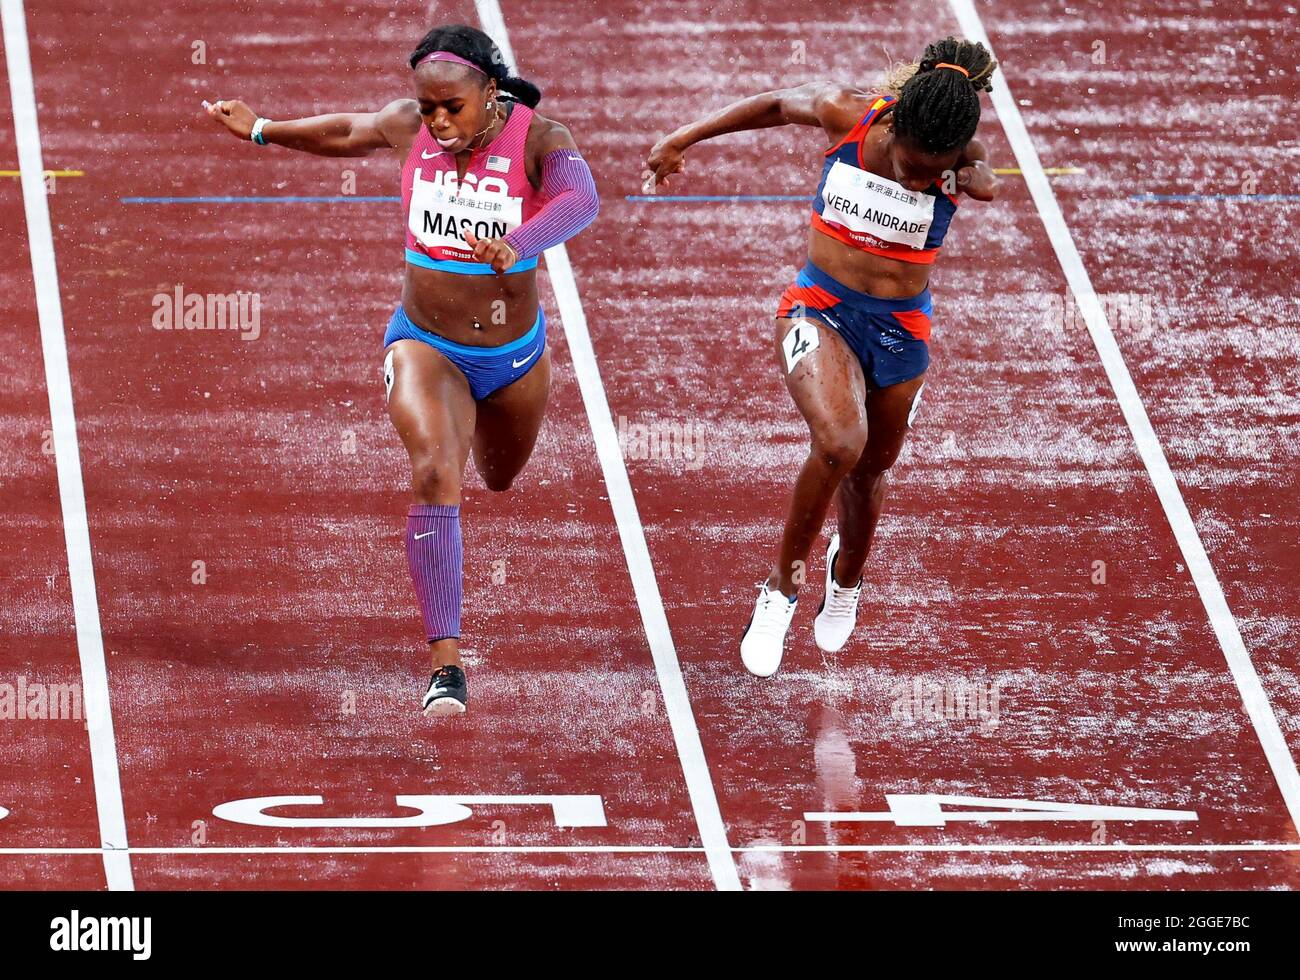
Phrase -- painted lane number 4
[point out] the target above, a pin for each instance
(927, 810)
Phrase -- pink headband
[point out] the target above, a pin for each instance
(448, 56)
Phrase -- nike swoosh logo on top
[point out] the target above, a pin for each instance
(514, 363)
(430, 156)
(424, 535)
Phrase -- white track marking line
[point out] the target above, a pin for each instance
(1148, 445)
(670, 849)
(695, 768)
(67, 457)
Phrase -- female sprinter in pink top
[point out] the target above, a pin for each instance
(487, 186)
(852, 331)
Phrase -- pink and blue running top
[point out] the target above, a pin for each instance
(493, 199)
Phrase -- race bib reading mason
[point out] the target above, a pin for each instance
(442, 209)
(871, 206)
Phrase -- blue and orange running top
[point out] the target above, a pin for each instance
(873, 213)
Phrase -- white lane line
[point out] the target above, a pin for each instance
(669, 849)
(1148, 445)
(67, 457)
(695, 768)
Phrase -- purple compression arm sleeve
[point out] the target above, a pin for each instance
(573, 204)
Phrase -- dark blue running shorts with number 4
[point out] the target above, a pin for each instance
(889, 336)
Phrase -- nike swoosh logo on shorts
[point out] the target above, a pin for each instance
(514, 363)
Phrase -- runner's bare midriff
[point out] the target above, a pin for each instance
(867, 273)
(448, 303)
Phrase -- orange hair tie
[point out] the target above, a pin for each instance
(944, 64)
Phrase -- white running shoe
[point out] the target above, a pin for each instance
(839, 611)
(764, 639)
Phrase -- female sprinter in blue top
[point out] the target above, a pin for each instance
(852, 331)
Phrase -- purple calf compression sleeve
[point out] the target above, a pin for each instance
(573, 205)
(433, 550)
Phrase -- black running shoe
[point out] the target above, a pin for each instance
(447, 693)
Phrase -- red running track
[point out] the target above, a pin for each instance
(292, 668)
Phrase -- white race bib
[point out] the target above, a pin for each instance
(442, 210)
(800, 341)
(870, 205)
